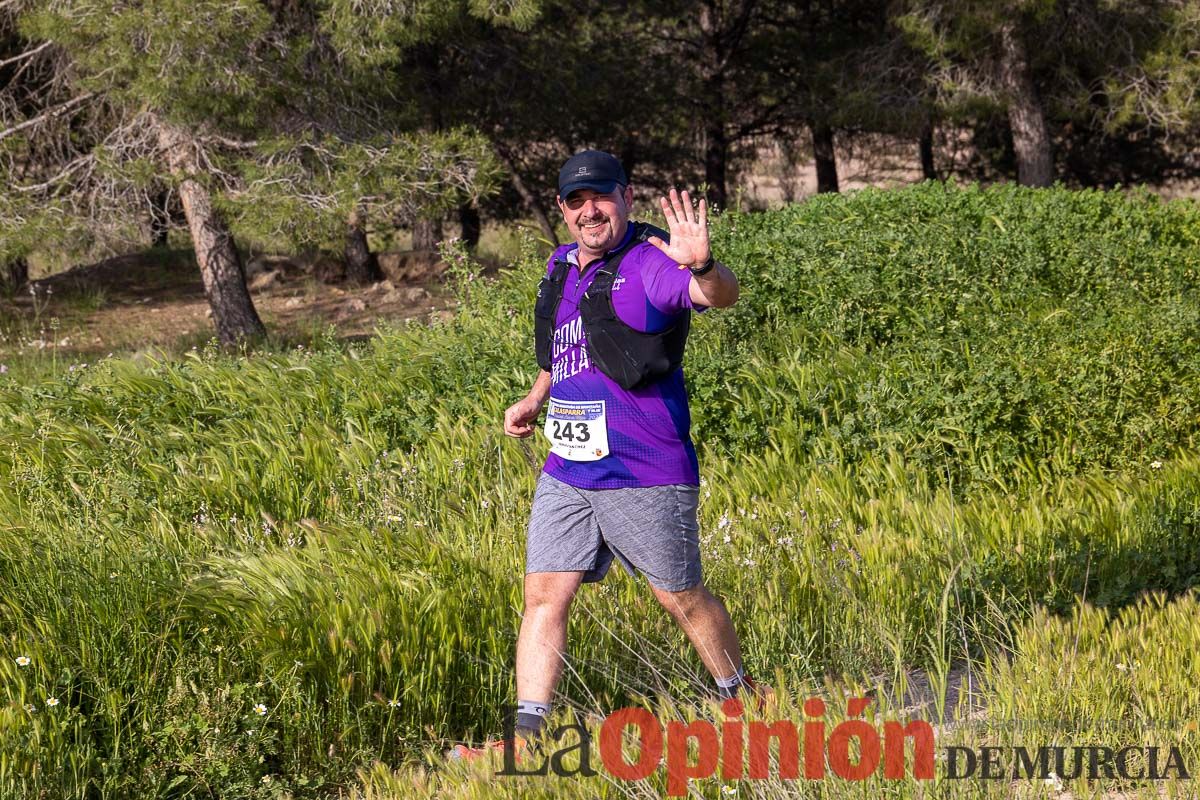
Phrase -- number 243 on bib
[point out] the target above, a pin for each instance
(577, 430)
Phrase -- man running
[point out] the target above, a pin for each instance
(621, 481)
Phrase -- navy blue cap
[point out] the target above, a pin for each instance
(591, 169)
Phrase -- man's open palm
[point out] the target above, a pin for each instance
(688, 227)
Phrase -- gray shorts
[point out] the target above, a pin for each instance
(652, 530)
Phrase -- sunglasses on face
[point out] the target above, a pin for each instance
(575, 200)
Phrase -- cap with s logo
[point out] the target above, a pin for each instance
(591, 169)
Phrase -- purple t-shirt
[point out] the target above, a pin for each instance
(648, 428)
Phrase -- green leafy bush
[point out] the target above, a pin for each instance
(990, 333)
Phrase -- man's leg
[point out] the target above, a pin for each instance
(562, 547)
(542, 644)
(707, 624)
(656, 530)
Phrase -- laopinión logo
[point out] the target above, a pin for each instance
(741, 748)
(854, 750)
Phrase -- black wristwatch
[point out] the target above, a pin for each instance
(707, 268)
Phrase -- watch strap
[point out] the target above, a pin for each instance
(704, 270)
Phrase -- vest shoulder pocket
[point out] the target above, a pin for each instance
(550, 292)
(544, 306)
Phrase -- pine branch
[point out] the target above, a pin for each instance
(47, 115)
(25, 55)
(67, 171)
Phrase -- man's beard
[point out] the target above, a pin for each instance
(601, 231)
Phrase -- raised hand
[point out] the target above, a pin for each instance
(688, 227)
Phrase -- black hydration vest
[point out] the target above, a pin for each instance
(630, 357)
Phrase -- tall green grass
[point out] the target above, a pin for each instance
(1086, 679)
(937, 415)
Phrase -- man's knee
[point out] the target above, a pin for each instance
(687, 603)
(550, 592)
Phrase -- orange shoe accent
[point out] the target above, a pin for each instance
(461, 752)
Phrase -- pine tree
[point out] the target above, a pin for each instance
(268, 118)
(1050, 64)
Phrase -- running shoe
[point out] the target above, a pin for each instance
(762, 695)
(462, 752)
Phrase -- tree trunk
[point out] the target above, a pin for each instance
(716, 152)
(530, 200)
(793, 156)
(13, 276)
(426, 233)
(629, 157)
(471, 225)
(826, 159)
(220, 263)
(1031, 139)
(928, 169)
(716, 139)
(362, 266)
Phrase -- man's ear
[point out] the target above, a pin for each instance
(629, 197)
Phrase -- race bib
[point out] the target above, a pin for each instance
(577, 429)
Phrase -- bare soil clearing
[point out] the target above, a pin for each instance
(155, 300)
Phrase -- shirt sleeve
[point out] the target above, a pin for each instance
(667, 283)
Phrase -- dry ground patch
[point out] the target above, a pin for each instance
(155, 300)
